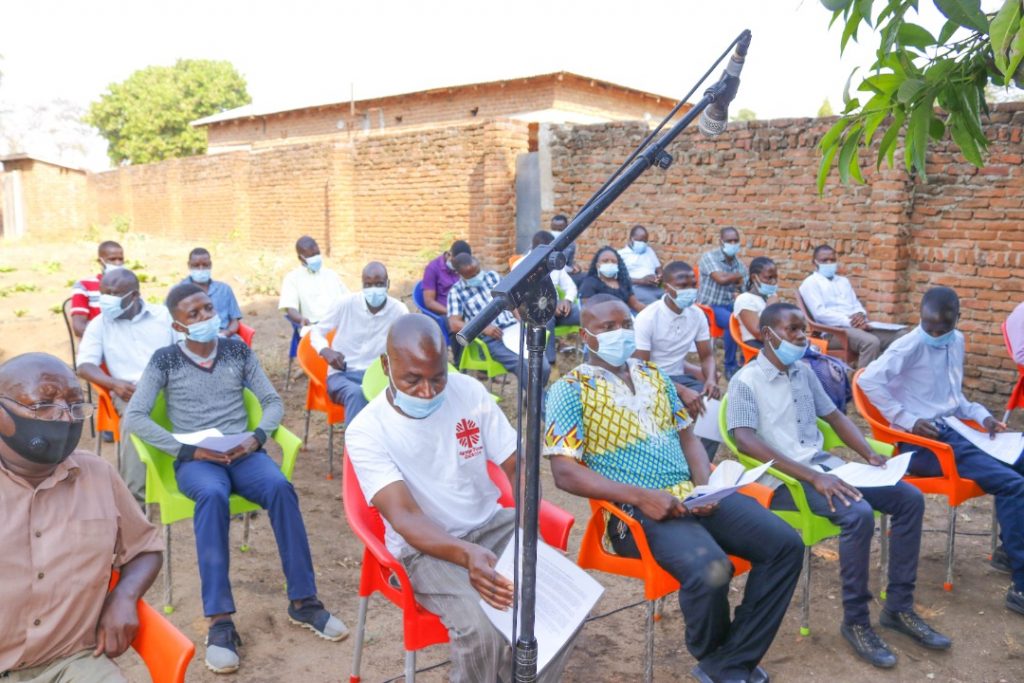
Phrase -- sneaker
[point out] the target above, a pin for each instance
(1001, 561)
(1015, 600)
(911, 624)
(222, 643)
(868, 645)
(312, 615)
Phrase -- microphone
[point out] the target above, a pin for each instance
(715, 117)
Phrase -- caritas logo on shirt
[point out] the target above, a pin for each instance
(468, 436)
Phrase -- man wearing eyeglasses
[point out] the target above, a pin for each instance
(116, 348)
(68, 521)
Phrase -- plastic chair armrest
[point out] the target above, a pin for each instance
(290, 445)
(838, 332)
(555, 525)
(880, 447)
(639, 537)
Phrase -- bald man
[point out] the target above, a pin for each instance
(116, 348)
(360, 325)
(68, 520)
(420, 451)
(310, 291)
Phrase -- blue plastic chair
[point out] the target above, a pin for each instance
(417, 296)
(292, 352)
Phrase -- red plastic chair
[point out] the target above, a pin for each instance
(246, 333)
(317, 399)
(164, 649)
(956, 489)
(1016, 399)
(716, 331)
(420, 627)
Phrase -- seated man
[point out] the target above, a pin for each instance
(620, 416)
(420, 451)
(468, 297)
(85, 294)
(643, 266)
(203, 379)
(917, 382)
(559, 223)
(566, 311)
(830, 300)
(773, 406)
(310, 291)
(439, 276)
(123, 338)
(722, 278)
(1015, 333)
(360, 323)
(68, 520)
(200, 268)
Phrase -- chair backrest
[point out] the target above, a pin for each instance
(1006, 340)
(246, 333)
(71, 331)
(803, 307)
(312, 363)
(376, 381)
(417, 297)
(164, 649)
(107, 418)
(749, 352)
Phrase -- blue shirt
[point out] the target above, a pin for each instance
(224, 301)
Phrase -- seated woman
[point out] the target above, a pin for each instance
(608, 275)
(761, 291)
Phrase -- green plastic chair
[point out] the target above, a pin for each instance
(813, 528)
(477, 357)
(375, 381)
(569, 330)
(162, 487)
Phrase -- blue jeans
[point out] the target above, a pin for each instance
(259, 479)
(857, 527)
(997, 478)
(729, 345)
(346, 389)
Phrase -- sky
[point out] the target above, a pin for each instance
(315, 51)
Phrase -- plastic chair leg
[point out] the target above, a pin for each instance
(659, 608)
(995, 532)
(357, 654)
(1006, 416)
(950, 547)
(168, 583)
(649, 643)
(410, 666)
(305, 434)
(883, 529)
(288, 377)
(99, 444)
(245, 532)
(805, 607)
(330, 451)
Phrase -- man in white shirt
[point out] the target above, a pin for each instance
(643, 266)
(567, 312)
(830, 300)
(360, 323)
(917, 382)
(420, 450)
(309, 291)
(123, 337)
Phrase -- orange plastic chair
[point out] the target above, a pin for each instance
(317, 399)
(383, 573)
(1016, 399)
(716, 331)
(246, 333)
(164, 649)
(107, 420)
(749, 352)
(513, 260)
(956, 489)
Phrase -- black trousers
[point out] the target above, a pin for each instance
(694, 551)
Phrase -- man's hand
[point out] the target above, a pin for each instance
(123, 389)
(993, 426)
(563, 308)
(693, 401)
(925, 428)
(659, 505)
(831, 486)
(711, 390)
(493, 331)
(704, 510)
(495, 589)
(874, 459)
(336, 359)
(211, 456)
(649, 281)
(245, 448)
(859, 320)
(119, 621)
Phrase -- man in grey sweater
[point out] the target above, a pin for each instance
(203, 379)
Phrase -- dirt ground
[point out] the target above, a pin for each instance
(35, 278)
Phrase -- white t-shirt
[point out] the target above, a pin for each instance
(639, 265)
(311, 294)
(442, 458)
(748, 301)
(360, 334)
(669, 337)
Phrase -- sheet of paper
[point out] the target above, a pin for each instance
(565, 596)
(706, 426)
(193, 438)
(212, 440)
(1006, 447)
(892, 327)
(863, 475)
(728, 477)
(510, 338)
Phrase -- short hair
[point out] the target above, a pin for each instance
(677, 267)
(773, 313)
(940, 299)
(760, 264)
(305, 241)
(463, 261)
(460, 247)
(599, 299)
(632, 231)
(180, 292)
(820, 248)
(198, 251)
(560, 217)
(721, 233)
(542, 237)
(108, 244)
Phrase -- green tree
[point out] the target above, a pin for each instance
(914, 73)
(745, 115)
(825, 109)
(146, 117)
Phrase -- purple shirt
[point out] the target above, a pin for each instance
(1015, 333)
(439, 279)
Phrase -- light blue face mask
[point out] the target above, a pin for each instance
(828, 269)
(476, 281)
(638, 247)
(112, 306)
(205, 330)
(314, 262)
(767, 290)
(685, 298)
(730, 249)
(615, 346)
(787, 352)
(415, 407)
(375, 296)
(200, 275)
(609, 270)
(939, 342)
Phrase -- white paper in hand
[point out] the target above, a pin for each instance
(706, 426)
(728, 477)
(865, 476)
(212, 440)
(510, 338)
(1006, 447)
(890, 327)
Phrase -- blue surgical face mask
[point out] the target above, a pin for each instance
(110, 267)
(414, 406)
(609, 270)
(638, 247)
(767, 290)
(730, 249)
(787, 352)
(375, 296)
(828, 269)
(615, 346)
(112, 305)
(314, 262)
(475, 281)
(684, 298)
(200, 275)
(939, 342)
(205, 330)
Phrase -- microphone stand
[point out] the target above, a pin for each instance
(529, 290)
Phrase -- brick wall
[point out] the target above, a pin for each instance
(896, 238)
(53, 197)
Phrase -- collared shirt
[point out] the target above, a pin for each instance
(224, 302)
(311, 294)
(466, 301)
(711, 293)
(126, 345)
(60, 541)
(360, 333)
(670, 336)
(913, 381)
(629, 437)
(830, 302)
(1015, 333)
(559, 278)
(640, 265)
(782, 407)
(440, 279)
(85, 297)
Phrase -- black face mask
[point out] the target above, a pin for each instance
(45, 442)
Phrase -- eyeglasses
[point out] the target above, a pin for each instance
(51, 412)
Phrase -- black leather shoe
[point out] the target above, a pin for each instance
(759, 675)
(1001, 561)
(868, 645)
(702, 676)
(1015, 600)
(911, 624)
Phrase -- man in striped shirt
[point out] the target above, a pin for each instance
(85, 294)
